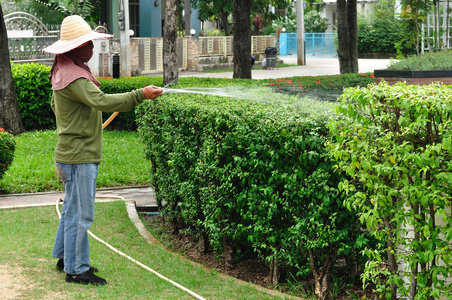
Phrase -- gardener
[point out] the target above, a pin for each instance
(78, 104)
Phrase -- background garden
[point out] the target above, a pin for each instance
(304, 185)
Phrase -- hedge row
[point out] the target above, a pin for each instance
(396, 142)
(249, 176)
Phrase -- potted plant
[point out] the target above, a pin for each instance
(421, 69)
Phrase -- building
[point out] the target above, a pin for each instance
(146, 17)
(329, 11)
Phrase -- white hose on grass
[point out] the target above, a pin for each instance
(132, 259)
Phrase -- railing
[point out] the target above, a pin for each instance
(27, 35)
(315, 44)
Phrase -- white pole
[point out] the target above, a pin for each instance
(300, 33)
(124, 36)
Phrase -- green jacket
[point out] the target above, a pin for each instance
(78, 109)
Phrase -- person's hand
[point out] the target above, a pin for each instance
(152, 92)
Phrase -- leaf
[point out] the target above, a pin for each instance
(391, 158)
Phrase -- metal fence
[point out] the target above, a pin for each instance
(315, 44)
(27, 35)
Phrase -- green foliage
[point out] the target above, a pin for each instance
(382, 35)
(441, 60)
(395, 143)
(315, 23)
(7, 147)
(87, 9)
(34, 90)
(252, 173)
(413, 16)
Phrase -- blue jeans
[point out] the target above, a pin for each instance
(71, 242)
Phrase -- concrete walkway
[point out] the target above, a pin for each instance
(315, 66)
(142, 195)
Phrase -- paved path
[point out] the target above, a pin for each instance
(315, 65)
(144, 196)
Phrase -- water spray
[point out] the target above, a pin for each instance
(204, 91)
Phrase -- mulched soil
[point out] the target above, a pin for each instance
(249, 269)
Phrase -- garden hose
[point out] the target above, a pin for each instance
(130, 258)
(113, 115)
(122, 253)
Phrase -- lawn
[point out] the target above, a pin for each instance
(27, 237)
(32, 170)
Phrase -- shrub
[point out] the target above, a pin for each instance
(251, 175)
(314, 22)
(7, 147)
(441, 60)
(383, 36)
(396, 144)
(34, 90)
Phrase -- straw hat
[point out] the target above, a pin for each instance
(74, 32)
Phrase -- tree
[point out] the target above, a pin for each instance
(347, 34)
(414, 14)
(87, 9)
(170, 69)
(216, 9)
(242, 39)
(10, 118)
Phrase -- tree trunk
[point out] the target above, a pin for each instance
(275, 272)
(322, 274)
(228, 253)
(170, 69)
(347, 33)
(224, 20)
(204, 242)
(10, 118)
(242, 39)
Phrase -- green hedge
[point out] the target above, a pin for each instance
(33, 89)
(383, 36)
(251, 176)
(396, 144)
(7, 148)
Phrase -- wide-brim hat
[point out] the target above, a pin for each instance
(74, 32)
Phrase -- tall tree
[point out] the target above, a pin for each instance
(170, 69)
(10, 118)
(218, 10)
(242, 39)
(347, 34)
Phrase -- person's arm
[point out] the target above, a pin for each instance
(88, 93)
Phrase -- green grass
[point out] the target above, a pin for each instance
(32, 170)
(27, 237)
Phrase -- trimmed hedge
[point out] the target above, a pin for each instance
(34, 90)
(7, 148)
(250, 176)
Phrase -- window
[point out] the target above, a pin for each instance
(134, 16)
